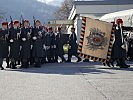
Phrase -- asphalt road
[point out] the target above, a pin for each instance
(67, 81)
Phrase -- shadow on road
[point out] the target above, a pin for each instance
(67, 69)
(123, 69)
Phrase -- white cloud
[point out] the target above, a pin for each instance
(45, 1)
(41, 1)
(51, 2)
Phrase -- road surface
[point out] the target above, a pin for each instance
(67, 81)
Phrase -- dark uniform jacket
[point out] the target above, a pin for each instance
(47, 40)
(130, 48)
(117, 50)
(59, 44)
(4, 43)
(53, 43)
(53, 38)
(25, 38)
(72, 44)
(14, 39)
(37, 50)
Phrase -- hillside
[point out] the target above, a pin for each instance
(28, 8)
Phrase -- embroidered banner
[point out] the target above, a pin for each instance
(96, 40)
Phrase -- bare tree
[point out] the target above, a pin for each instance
(64, 10)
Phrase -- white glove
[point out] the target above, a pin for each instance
(31, 46)
(117, 28)
(29, 33)
(47, 47)
(54, 46)
(24, 39)
(69, 47)
(44, 47)
(40, 32)
(34, 38)
(20, 47)
(18, 33)
(11, 40)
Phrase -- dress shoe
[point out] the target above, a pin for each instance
(112, 64)
(2, 68)
(86, 60)
(13, 66)
(124, 66)
(68, 61)
(79, 59)
(108, 64)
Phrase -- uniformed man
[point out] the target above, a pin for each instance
(3, 44)
(110, 63)
(130, 46)
(43, 60)
(59, 46)
(8, 58)
(48, 45)
(119, 50)
(25, 38)
(53, 45)
(73, 46)
(38, 42)
(14, 39)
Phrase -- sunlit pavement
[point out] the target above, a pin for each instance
(67, 81)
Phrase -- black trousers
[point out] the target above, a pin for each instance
(70, 56)
(119, 61)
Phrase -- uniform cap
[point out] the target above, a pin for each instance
(4, 23)
(119, 20)
(16, 22)
(38, 21)
(26, 20)
(50, 28)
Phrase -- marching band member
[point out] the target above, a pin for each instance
(25, 38)
(3, 43)
(73, 46)
(119, 49)
(14, 39)
(38, 42)
(59, 46)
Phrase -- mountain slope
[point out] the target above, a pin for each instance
(28, 8)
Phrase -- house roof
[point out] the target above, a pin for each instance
(103, 2)
(118, 14)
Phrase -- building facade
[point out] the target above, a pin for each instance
(95, 9)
